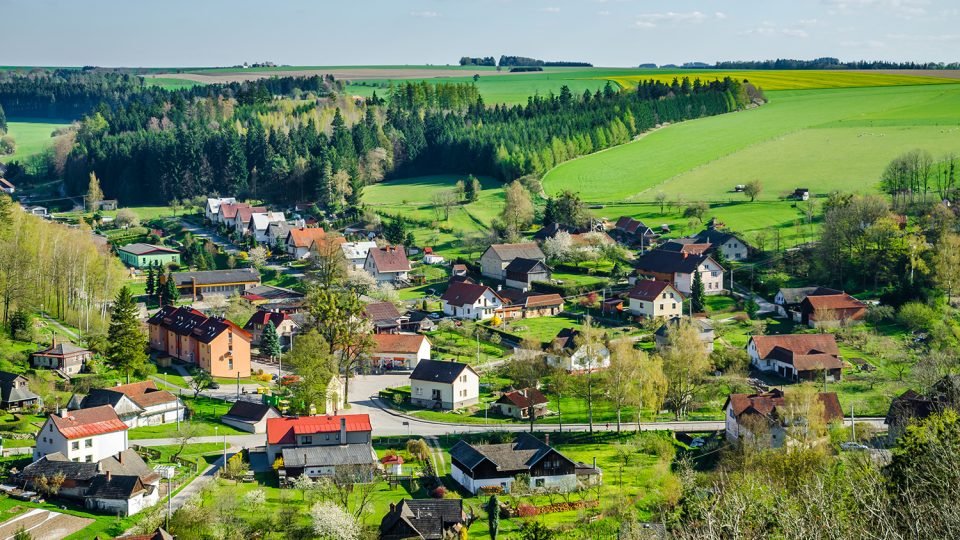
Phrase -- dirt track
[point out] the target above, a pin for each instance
(339, 73)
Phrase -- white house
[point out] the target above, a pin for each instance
(212, 210)
(259, 224)
(494, 261)
(476, 466)
(85, 435)
(444, 385)
(575, 357)
(243, 217)
(732, 247)
(356, 252)
(651, 299)
(137, 404)
(388, 264)
(249, 416)
(466, 300)
(399, 351)
(797, 356)
(743, 413)
(678, 268)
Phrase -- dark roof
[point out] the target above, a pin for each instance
(269, 292)
(63, 348)
(325, 456)
(145, 249)
(216, 277)
(566, 339)
(382, 312)
(551, 230)
(248, 411)
(461, 293)
(52, 464)
(668, 262)
(795, 295)
(705, 326)
(714, 236)
(261, 318)
(525, 266)
(186, 321)
(428, 518)
(128, 463)
(649, 289)
(121, 487)
(519, 455)
(11, 394)
(508, 252)
(438, 371)
(158, 534)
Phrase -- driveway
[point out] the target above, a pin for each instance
(200, 231)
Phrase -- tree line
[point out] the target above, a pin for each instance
(830, 63)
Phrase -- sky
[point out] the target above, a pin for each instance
(181, 33)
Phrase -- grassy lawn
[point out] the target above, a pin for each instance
(32, 136)
(584, 279)
(430, 290)
(450, 344)
(207, 413)
(853, 132)
(172, 377)
(545, 329)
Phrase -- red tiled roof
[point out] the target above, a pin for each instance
(282, 430)
(524, 397)
(461, 293)
(767, 403)
(398, 343)
(390, 259)
(649, 289)
(263, 317)
(229, 211)
(796, 343)
(88, 422)
(835, 301)
(304, 236)
(245, 212)
(144, 393)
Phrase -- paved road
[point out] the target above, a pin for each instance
(206, 232)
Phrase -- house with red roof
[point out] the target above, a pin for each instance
(765, 414)
(388, 264)
(468, 300)
(518, 403)
(85, 435)
(283, 323)
(300, 240)
(216, 345)
(399, 351)
(797, 356)
(137, 404)
(829, 310)
(651, 299)
(318, 445)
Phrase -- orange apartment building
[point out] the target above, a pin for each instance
(215, 345)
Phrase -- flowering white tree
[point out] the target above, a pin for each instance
(258, 256)
(255, 497)
(558, 248)
(330, 521)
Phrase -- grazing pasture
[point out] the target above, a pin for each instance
(799, 139)
(31, 135)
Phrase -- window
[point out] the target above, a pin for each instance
(75, 445)
(88, 443)
(307, 439)
(230, 363)
(661, 306)
(539, 482)
(673, 305)
(88, 459)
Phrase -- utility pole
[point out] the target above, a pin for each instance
(853, 425)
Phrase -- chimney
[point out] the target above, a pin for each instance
(343, 430)
(393, 507)
(109, 476)
(120, 457)
(64, 412)
(546, 440)
(499, 288)
(684, 254)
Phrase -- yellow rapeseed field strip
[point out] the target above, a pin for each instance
(793, 80)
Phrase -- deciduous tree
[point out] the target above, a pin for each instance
(686, 365)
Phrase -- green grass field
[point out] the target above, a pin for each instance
(818, 139)
(170, 83)
(32, 135)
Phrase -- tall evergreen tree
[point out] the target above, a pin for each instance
(169, 294)
(698, 296)
(150, 289)
(127, 349)
(270, 341)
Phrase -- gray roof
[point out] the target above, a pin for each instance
(706, 327)
(509, 252)
(438, 371)
(62, 348)
(525, 266)
(248, 411)
(274, 293)
(214, 277)
(121, 487)
(519, 455)
(798, 294)
(144, 249)
(322, 456)
(11, 394)
(128, 463)
(56, 462)
(429, 517)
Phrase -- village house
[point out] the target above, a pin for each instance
(731, 246)
(250, 416)
(634, 233)
(651, 299)
(808, 357)
(678, 268)
(320, 445)
(388, 264)
(565, 352)
(553, 229)
(703, 325)
(143, 255)
(459, 270)
(529, 304)
(831, 310)
(277, 233)
(686, 245)
(271, 298)
(518, 403)
(444, 385)
(227, 214)
(423, 518)
(748, 416)
(299, 240)
(788, 300)
(911, 406)
(243, 217)
(385, 317)
(259, 224)
(399, 351)
(223, 282)
(85, 435)
(283, 323)
(63, 356)
(7, 186)
(468, 300)
(356, 252)
(521, 273)
(215, 345)
(494, 261)
(475, 466)
(137, 404)
(15, 394)
(212, 211)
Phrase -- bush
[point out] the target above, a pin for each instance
(439, 493)
(916, 316)
(526, 510)
(879, 314)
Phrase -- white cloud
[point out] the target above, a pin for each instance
(720, 15)
(768, 29)
(425, 14)
(650, 20)
(551, 9)
(904, 9)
